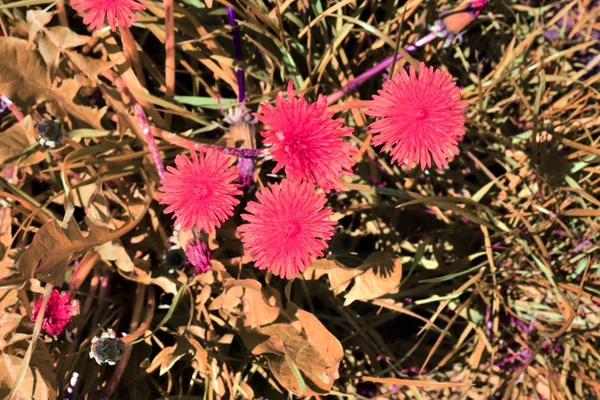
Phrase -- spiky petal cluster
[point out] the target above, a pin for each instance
(421, 117)
(306, 140)
(287, 228)
(57, 315)
(200, 191)
(198, 255)
(121, 11)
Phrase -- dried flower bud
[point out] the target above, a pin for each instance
(246, 169)
(107, 348)
(198, 255)
(463, 15)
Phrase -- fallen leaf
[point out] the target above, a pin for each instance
(37, 20)
(23, 74)
(32, 386)
(243, 302)
(90, 66)
(382, 273)
(114, 251)
(339, 276)
(65, 38)
(16, 140)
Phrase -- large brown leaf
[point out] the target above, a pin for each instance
(381, 275)
(302, 354)
(23, 75)
(32, 386)
(24, 78)
(15, 140)
(378, 275)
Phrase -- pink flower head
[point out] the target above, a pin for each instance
(288, 228)
(306, 140)
(198, 255)
(421, 117)
(200, 190)
(121, 11)
(58, 312)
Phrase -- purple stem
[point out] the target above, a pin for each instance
(237, 52)
(143, 120)
(368, 74)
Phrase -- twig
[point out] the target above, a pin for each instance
(143, 121)
(371, 72)
(138, 330)
(191, 145)
(237, 52)
(36, 333)
(130, 51)
(169, 53)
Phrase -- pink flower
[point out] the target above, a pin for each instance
(57, 315)
(200, 191)
(198, 255)
(306, 140)
(288, 228)
(121, 11)
(421, 117)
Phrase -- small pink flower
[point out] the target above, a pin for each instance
(421, 117)
(306, 140)
(200, 190)
(288, 227)
(198, 255)
(57, 315)
(121, 11)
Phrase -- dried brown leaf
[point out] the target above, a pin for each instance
(17, 139)
(382, 273)
(65, 38)
(37, 20)
(32, 385)
(339, 275)
(23, 74)
(52, 248)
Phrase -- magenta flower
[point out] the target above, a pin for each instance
(121, 11)
(307, 141)
(57, 315)
(200, 191)
(421, 117)
(287, 229)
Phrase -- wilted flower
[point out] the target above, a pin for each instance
(107, 348)
(306, 140)
(421, 117)
(198, 255)
(288, 227)
(121, 11)
(200, 190)
(58, 312)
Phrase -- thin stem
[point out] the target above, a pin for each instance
(130, 51)
(237, 52)
(371, 72)
(191, 145)
(143, 121)
(169, 53)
